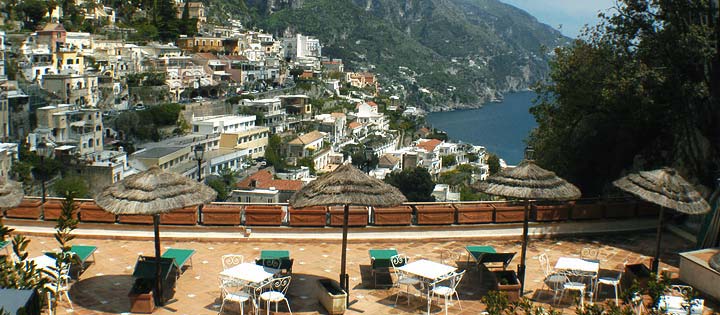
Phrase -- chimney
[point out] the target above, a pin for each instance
(253, 183)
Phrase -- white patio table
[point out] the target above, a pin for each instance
(429, 271)
(589, 268)
(249, 273)
(577, 264)
(43, 262)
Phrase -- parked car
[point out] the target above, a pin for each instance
(139, 107)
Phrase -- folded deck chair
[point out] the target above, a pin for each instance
(180, 255)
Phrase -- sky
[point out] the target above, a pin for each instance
(571, 14)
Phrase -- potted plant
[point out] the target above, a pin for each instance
(507, 282)
(141, 297)
(332, 297)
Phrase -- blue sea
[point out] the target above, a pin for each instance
(502, 128)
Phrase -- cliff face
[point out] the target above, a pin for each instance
(435, 53)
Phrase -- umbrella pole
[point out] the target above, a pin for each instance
(521, 266)
(158, 283)
(658, 239)
(344, 279)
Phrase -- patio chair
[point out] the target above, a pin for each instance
(275, 293)
(180, 255)
(231, 260)
(59, 289)
(552, 280)
(235, 293)
(571, 285)
(609, 281)
(590, 253)
(447, 291)
(449, 257)
(398, 261)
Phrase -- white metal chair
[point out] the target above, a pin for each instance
(609, 281)
(589, 253)
(398, 261)
(235, 293)
(447, 291)
(552, 280)
(449, 257)
(58, 288)
(274, 292)
(571, 285)
(231, 260)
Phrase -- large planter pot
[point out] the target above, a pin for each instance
(141, 302)
(213, 214)
(507, 282)
(474, 213)
(184, 216)
(264, 215)
(52, 209)
(435, 215)
(357, 216)
(557, 212)
(27, 209)
(90, 212)
(505, 213)
(135, 219)
(331, 296)
(400, 215)
(620, 209)
(588, 211)
(308, 216)
(636, 272)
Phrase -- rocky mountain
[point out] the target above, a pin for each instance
(437, 53)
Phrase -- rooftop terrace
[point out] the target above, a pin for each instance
(103, 287)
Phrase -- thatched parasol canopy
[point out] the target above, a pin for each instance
(664, 187)
(153, 191)
(347, 186)
(11, 193)
(528, 181)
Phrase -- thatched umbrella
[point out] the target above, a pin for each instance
(346, 186)
(666, 188)
(154, 192)
(11, 193)
(528, 181)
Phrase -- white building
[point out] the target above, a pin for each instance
(8, 153)
(300, 46)
(206, 125)
(2, 55)
(368, 115)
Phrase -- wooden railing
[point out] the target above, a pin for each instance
(411, 213)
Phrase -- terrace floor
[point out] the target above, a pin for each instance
(103, 287)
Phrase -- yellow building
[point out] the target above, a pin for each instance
(255, 140)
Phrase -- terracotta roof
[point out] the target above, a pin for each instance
(331, 62)
(337, 115)
(308, 137)
(263, 179)
(53, 27)
(429, 145)
(388, 160)
(206, 56)
(236, 57)
(373, 104)
(354, 125)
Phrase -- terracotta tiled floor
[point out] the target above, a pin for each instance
(103, 288)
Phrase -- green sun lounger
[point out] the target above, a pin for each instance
(83, 253)
(180, 255)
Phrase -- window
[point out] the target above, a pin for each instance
(247, 199)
